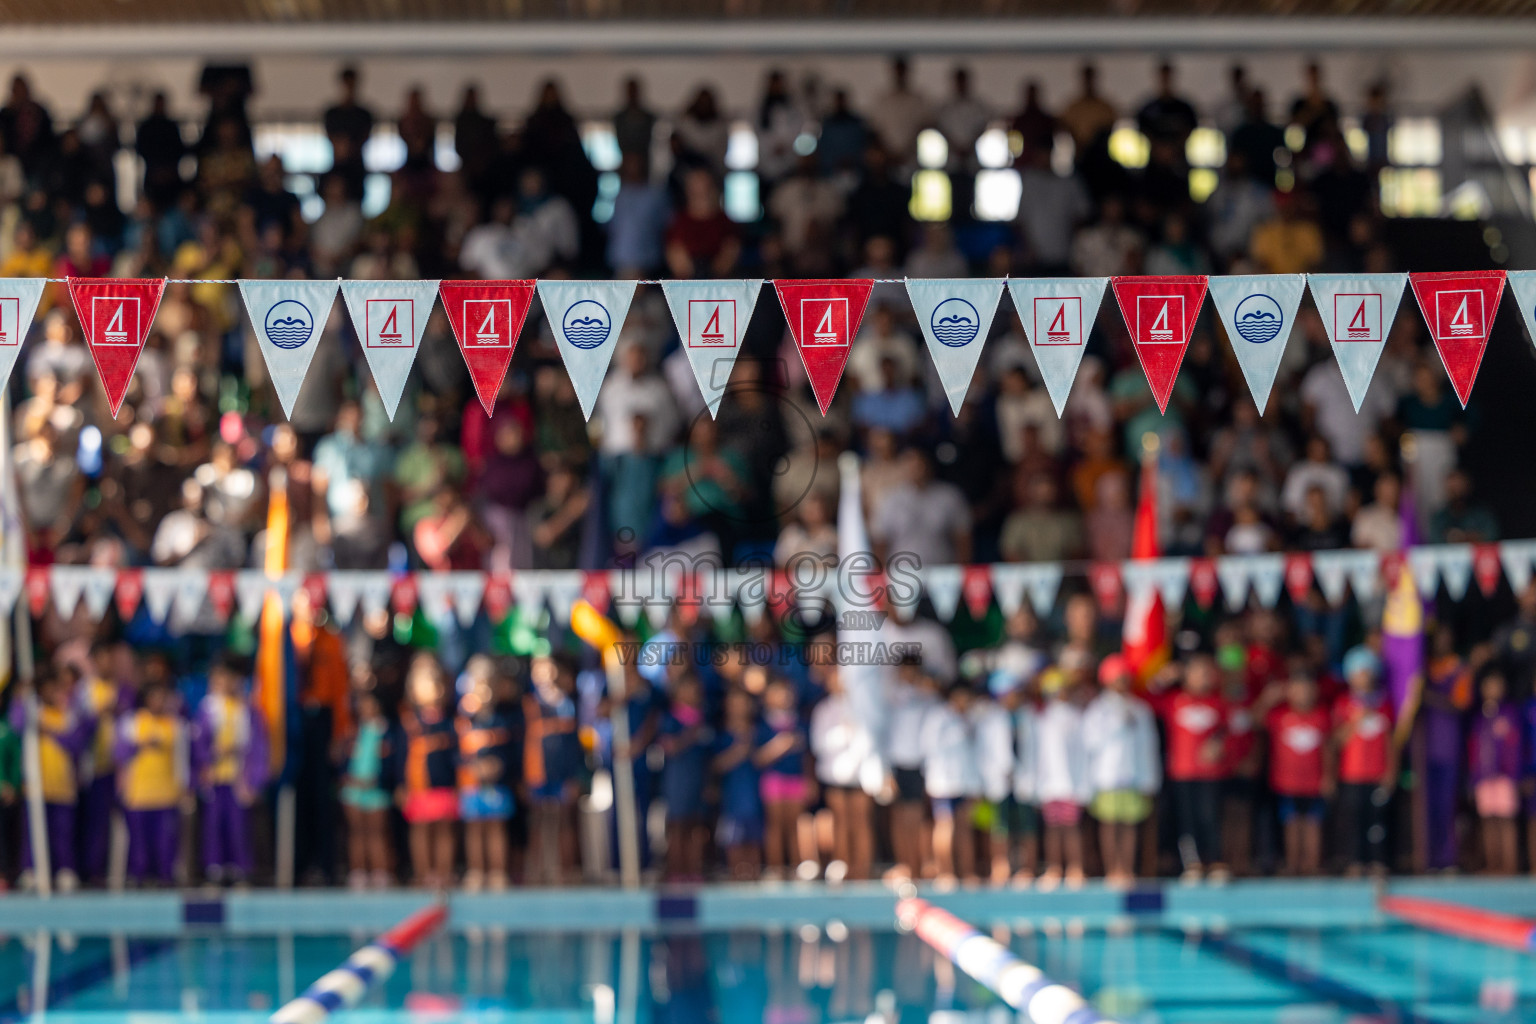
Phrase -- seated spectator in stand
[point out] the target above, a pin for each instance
(1461, 520)
(922, 518)
(701, 240)
(896, 405)
(1040, 530)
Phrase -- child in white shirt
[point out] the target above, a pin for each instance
(1024, 826)
(843, 745)
(953, 780)
(1124, 767)
(993, 726)
(1061, 779)
(914, 695)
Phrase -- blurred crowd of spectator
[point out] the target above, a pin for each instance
(184, 475)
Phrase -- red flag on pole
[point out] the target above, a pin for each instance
(487, 317)
(823, 319)
(115, 314)
(1160, 313)
(1144, 636)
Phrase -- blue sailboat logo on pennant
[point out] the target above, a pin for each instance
(587, 324)
(289, 324)
(955, 323)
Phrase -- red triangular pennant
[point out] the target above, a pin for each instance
(487, 317)
(221, 592)
(129, 592)
(823, 319)
(115, 314)
(1487, 567)
(1203, 581)
(1459, 309)
(594, 588)
(1298, 575)
(1160, 313)
(1108, 590)
(38, 587)
(497, 599)
(976, 585)
(403, 595)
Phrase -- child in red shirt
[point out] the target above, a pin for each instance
(1196, 719)
(1300, 769)
(1367, 762)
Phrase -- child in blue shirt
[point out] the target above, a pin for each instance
(686, 740)
(740, 829)
(782, 756)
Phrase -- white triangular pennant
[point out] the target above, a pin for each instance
(1424, 563)
(1357, 312)
(943, 583)
(565, 589)
(1232, 572)
(1523, 284)
(1364, 568)
(343, 589)
(748, 584)
(1040, 581)
(711, 319)
(1138, 578)
(376, 589)
(1058, 315)
(251, 586)
(100, 585)
(626, 602)
(1455, 568)
(66, 582)
(1266, 575)
(18, 305)
(1168, 576)
(586, 318)
(1331, 572)
(191, 593)
(1517, 557)
(1258, 312)
(529, 588)
(389, 317)
(451, 595)
(955, 316)
(159, 591)
(288, 318)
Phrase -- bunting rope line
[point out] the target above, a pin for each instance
(182, 598)
(823, 316)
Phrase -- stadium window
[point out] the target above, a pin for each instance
(993, 151)
(1202, 182)
(607, 192)
(304, 149)
(1128, 147)
(741, 147)
(742, 201)
(376, 193)
(601, 145)
(384, 152)
(998, 193)
(931, 196)
(1206, 147)
(1468, 201)
(311, 206)
(1414, 142)
(444, 153)
(1410, 192)
(1512, 141)
(932, 149)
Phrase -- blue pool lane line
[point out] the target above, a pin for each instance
(374, 963)
(86, 977)
(1326, 989)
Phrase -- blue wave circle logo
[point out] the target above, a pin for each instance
(289, 324)
(955, 323)
(1258, 319)
(586, 324)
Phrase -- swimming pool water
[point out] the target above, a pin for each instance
(803, 975)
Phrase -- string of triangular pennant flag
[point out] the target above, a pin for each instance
(183, 598)
(823, 317)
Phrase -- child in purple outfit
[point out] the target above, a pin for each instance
(1494, 768)
(230, 763)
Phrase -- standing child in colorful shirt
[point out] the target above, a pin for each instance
(1494, 768)
(1198, 763)
(365, 795)
(485, 762)
(429, 796)
(1124, 767)
(152, 778)
(63, 732)
(231, 761)
(1367, 761)
(685, 740)
(101, 697)
(553, 762)
(783, 757)
(1300, 766)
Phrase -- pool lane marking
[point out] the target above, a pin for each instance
(1318, 984)
(1021, 985)
(346, 985)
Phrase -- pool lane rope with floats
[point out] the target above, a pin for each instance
(346, 985)
(1021, 985)
(1463, 922)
